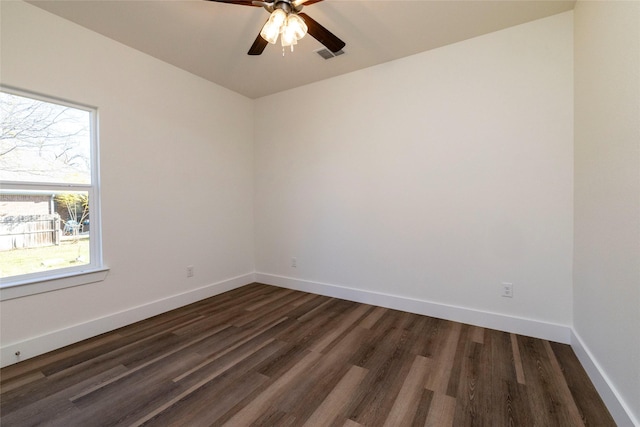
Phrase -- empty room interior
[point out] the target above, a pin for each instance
(462, 178)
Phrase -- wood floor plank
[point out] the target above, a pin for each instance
(276, 418)
(387, 330)
(323, 307)
(422, 411)
(21, 380)
(271, 308)
(244, 339)
(334, 404)
(253, 410)
(442, 411)
(422, 330)
(507, 399)
(283, 360)
(371, 319)
(266, 356)
(477, 334)
(305, 393)
(434, 337)
(388, 368)
(40, 362)
(517, 361)
(161, 356)
(438, 379)
(137, 396)
(317, 384)
(51, 408)
(460, 353)
(126, 351)
(343, 325)
(500, 351)
(584, 394)
(205, 381)
(40, 391)
(562, 387)
(406, 403)
(306, 307)
(308, 329)
(270, 300)
(543, 388)
(227, 389)
(304, 300)
(474, 387)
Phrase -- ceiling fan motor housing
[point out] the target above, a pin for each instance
(284, 5)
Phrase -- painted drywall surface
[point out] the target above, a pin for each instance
(434, 177)
(176, 168)
(607, 190)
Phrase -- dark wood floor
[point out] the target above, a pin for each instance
(265, 356)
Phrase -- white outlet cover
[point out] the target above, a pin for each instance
(507, 290)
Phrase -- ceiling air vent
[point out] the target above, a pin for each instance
(327, 54)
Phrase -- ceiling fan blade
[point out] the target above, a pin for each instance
(320, 33)
(258, 46)
(240, 2)
(268, 6)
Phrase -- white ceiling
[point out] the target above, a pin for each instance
(211, 39)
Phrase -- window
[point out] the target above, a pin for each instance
(49, 198)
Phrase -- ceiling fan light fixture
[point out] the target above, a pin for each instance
(289, 26)
(296, 25)
(270, 32)
(288, 38)
(278, 17)
(272, 28)
(294, 29)
(286, 16)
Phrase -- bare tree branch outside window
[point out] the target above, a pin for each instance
(41, 141)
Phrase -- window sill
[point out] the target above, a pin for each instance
(52, 283)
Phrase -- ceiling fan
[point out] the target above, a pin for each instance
(287, 21)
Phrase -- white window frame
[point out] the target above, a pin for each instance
(50, 280)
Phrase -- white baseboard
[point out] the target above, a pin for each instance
(619, 410)
(63, 337)
(517, 325)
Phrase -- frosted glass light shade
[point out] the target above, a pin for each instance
(287, 39)
(273, 26)
(296, 25)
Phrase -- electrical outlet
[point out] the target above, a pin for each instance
(507, 290)
(294, 262)
(190, 271)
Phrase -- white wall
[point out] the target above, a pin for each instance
(176, 165)
(607, 192)
(436, 177)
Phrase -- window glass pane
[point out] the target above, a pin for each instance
(42, 231)
(43, 142)
(47, 188)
